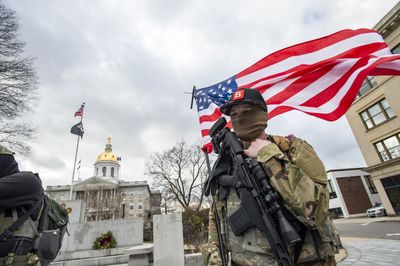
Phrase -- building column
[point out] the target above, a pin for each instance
(113, 202)
(98, 205)
(384, 197)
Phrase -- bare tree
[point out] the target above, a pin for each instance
(167, 201)
(179, 174)
(18, 82)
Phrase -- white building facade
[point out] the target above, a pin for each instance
(351, 192)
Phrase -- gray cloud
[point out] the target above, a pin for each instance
(48, 161)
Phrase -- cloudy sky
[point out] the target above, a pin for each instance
(132, 60)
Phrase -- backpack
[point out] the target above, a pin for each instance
(301, 180)
(42, 237)
(52, 227)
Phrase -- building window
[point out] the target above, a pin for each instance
(97, 171)
(368, 84)
(371, 185)
(389, 148)
(140, 206)
(331, 189)
(123, 194)
(392, 188)
(104, 171)
(131, 206)
(390, 182)
(131, 194)
(377, 114)
(396, 49)
(336, 212)
(112, 171)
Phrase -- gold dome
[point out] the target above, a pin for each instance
(108, 154)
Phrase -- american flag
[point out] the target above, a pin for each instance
(320, 77)
(80, 110)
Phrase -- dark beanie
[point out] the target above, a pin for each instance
(8, 165)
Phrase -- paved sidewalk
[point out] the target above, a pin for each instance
(369, 251)
(364, 251)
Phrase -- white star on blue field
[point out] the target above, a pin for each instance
(219, 94)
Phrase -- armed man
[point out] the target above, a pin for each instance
(269, 193)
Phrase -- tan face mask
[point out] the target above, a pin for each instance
(248, 125)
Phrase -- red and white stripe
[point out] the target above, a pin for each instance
(320, 77)
(80, 111)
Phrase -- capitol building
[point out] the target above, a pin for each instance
(106, 196)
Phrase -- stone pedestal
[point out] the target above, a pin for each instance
(75, 209)
(82, 235)
(140, 255)
(168, 240)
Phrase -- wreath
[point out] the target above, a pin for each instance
(105, 241)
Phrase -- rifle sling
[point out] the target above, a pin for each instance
(299, 246)
(222, 248)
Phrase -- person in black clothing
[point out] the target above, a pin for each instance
(17, 188)
(21, 193)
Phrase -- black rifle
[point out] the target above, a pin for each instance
(260, 203)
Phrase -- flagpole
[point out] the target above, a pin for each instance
(207, 162)
(191, 93)
(73, 171)
(79, 169)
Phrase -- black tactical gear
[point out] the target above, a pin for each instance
(17, 189)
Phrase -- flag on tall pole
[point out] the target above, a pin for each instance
(320, 77)
(80, 110)
(76, 129)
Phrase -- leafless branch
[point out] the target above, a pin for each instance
(18, 83)
(178, 173)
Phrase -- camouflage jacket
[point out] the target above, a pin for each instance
(283, 160)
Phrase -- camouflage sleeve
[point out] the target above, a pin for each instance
(303, 154)
(273, 160)
(298, 176)
(210, 250)
(270, 151)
